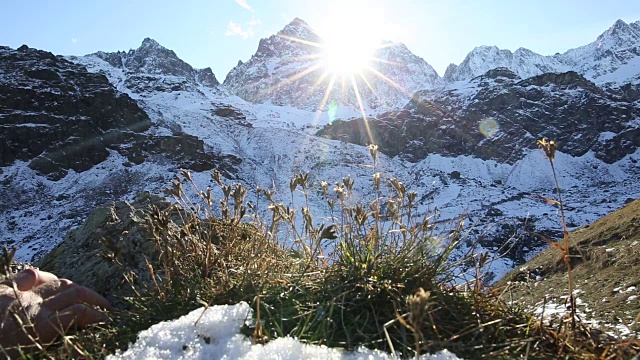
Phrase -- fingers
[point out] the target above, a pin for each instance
(78, 315)
(75, 294)
(30, 278)
(44, 277)
(26, 279)
(52, 288)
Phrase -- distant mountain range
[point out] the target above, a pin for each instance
(284, 71)
(613, 58)
(271, 75)
(78, 131)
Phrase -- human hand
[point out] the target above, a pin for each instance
(37, 307)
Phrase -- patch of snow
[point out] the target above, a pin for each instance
(551, 311)
(606, 135)
(626, 72)
(577, 292)
(213, 333)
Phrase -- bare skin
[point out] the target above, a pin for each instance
(37, 307)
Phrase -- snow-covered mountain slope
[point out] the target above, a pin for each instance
(265, 144)
(257, 144)
(70, 141)
(613, 58)
(523, 62)
(288, 69)
(488, 128)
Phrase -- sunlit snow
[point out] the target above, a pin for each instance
(213, 333)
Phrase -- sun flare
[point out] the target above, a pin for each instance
(349, 42)
(350, 38)
(348, 50)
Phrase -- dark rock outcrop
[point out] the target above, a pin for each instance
(229, 112)
(629, 92)
(567, 80)
(57, 116)
(54, 113)
(114, 240)
(500, 117)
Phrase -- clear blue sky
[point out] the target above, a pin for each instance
(218, 33)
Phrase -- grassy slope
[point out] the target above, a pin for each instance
(606, 269)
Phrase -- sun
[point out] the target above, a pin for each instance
(348, 49)
(350, 39)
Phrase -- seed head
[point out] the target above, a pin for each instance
(373, 151)
(549, 147)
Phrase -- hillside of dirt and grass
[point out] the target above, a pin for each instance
(605, 260)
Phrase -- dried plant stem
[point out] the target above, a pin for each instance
(566, 255)
(549, 148)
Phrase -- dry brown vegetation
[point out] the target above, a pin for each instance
(372, 274)
(605, 269)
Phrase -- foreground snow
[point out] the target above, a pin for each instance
(213, 333)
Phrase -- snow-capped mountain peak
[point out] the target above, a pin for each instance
(149, 67)
(154, 59)
(150, 43)
(481, 59)
(620, 34)
(614, 57)
(298, 29)
(287, 69)
(618, 37)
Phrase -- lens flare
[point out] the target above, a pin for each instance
(488, 127)
(332, 110)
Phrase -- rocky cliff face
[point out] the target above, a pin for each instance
(151, 61)
(59, 117)
(56, 115)
(287, 70)
(69, 141)
(499, 116)
(613, 59)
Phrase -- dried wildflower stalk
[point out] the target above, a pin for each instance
(549, 147)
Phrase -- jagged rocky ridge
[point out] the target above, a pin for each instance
(279, 73)
(613, 59)
(153, 59)
(563, 106)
